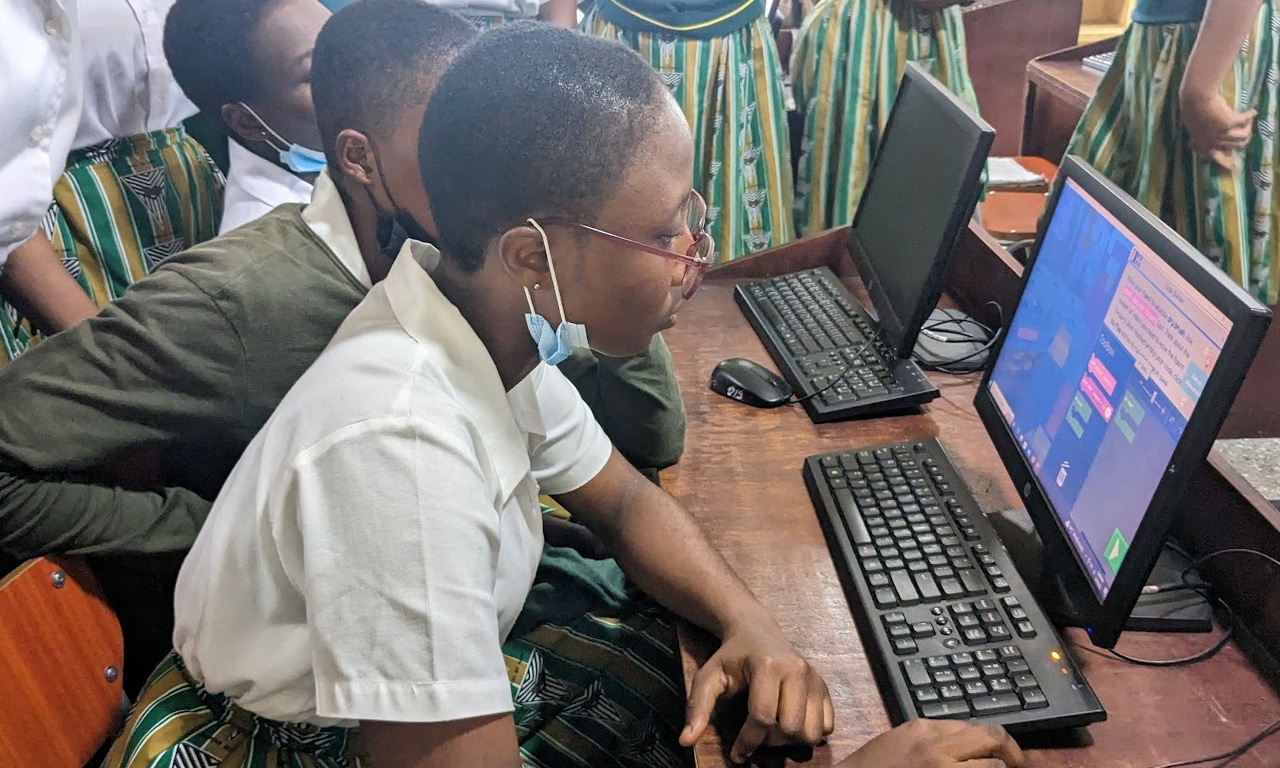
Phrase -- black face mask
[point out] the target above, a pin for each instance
(394, 228)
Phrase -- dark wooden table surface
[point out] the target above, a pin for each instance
(740, 476)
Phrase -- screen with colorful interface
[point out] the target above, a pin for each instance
(1105, 360)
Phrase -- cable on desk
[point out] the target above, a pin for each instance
(993, 337)
(1228, 756)
(839, 377)
(1199, 588)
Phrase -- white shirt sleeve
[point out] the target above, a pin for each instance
(40, 96)
(573, 448)
(401, 539)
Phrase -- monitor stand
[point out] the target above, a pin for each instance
(1174, 611)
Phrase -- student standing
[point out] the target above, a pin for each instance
(1185, 121)
(848, 61)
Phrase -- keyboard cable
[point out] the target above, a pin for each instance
(839, 377)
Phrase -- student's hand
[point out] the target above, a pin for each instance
(1216, 130)
(558, 532)
(938, 744)
(787, 702)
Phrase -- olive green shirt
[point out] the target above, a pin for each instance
(116, 435)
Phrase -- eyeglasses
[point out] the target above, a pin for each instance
(696, 258)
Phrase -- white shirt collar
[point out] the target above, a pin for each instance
(327, 217)
(256, 184)
(430, 318)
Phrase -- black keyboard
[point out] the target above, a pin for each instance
(817, 334)
(949, 626)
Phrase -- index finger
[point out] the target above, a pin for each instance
(762, 714)
(979, 741)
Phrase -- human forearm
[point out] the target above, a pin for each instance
(40, 516)
(1225, 26)
(664, 551)
(36, 284)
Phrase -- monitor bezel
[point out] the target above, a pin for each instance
(1105, 620)
(907, 329)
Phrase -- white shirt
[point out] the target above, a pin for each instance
(376, 542)
(129, 88)
(255, 186)
(41, 89)
(524, 8)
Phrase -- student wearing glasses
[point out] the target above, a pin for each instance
(352, 597)
(848, 60)
(1185, 122)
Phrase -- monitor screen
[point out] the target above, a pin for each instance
(921, 192)
(1103, 363)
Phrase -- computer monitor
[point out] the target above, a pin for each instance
(1110, 384)
(920, 194)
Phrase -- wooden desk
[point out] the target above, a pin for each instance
(1059, 87)
(740, 476)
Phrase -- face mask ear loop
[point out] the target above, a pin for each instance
(529, 298)
(555, 284)
(268, 129)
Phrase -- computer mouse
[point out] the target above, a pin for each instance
(750, 383)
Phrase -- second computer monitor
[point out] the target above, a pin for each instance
(1111, 382)
(924, 183)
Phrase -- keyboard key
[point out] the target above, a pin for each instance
(944, 676)
(916, 673)
(972, 582)
(1009, 602)
(945, 710)
(897, 617)
(1033, 698)
(1010, 652)
(985, 657)
(904, 587)
(922, 629)
(872, 566)
(1025, 680)
(895, 563)
(1017, 614)
(997, 704)
(852, 517)
(989, 617)
(927, 587)
(1017, 665)
(984, 605)
(904, 646)
(916, 566)
(937, 662)
(877, 580)
(967, 621)
(974, 636)
(1000, 684)
(1000, 584)
(968, 673)
(975, 688)
(991, 669)
(925, 695)
(960, 659)
(1024, 629)
(884, 597)
(951, 587)
(998, 632)
(950, 692)
(899, 630)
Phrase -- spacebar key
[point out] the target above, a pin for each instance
(852, 517)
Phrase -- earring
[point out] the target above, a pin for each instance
(536, 286)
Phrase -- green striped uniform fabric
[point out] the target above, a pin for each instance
(599, 690)
(848, 60)
(120, 209)
(1132, 132)
(731, 91)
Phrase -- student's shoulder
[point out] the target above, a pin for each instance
(274, 250)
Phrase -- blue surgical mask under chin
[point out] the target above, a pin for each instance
(554, 346)
(299, 159)
(295, 157)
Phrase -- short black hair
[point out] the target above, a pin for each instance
(209, 47)
(375, 56)
(531, 121)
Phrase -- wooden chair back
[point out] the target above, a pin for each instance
(61, 655)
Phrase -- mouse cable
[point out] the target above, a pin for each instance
(839, 377)
(993, 337)
(1201, 589)
(1230, 755)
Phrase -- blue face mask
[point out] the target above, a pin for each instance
(554, 346)
(295, 157)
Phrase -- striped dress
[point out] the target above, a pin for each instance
(119, 210)
(848, 60)
(731, 91)
(1132, 132)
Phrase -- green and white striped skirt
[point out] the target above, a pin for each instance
(848, 60)
(730, 89)
(600, 689)
(121, 208)
(1132, 132)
